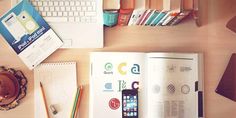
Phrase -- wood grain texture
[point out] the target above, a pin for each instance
(213, 39)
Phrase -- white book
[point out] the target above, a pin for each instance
(136, 15)
(170, 84)
(171, 16)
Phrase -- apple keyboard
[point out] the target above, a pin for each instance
(82, 11)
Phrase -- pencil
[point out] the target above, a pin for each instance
(78, 102)
(44, 99)
(75, 102)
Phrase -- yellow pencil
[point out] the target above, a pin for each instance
(44, 99)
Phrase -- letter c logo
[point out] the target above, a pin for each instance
(121, 69)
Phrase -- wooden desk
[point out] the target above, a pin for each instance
(213, 39)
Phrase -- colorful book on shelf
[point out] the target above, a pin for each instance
(170, 84)
(169, 18)
(126, 9)
(158, 18)
(136, 15)
(145, 16)
(152, 16)
(28, 34)
(163, 19)
(179, 17)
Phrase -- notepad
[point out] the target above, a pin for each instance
(60, 85)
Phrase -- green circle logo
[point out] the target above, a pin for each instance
(108, 66)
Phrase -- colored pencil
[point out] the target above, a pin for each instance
(44, 99)
(79, 99)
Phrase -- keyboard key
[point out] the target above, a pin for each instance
(78, 8)
(84, 8)
(50, 3)
(70, 13)
(82, 3)
(73, 8)
(45, 3)
(44, 13)
(76, 13)
(40, 3)
(90, 8)
(67, 3)
(77, 3)
(54, 13)
(81, 13)
(57, 8)
(34, 3)
(52, 9)
(67, 8)
(90, 13)
(63, 9)
(56, 3)
(65, 14)
(59, 13)
(71, 19)
(46, 9)
(40, 8)
(72, 3)
(77, 19)
(88, 3)
(56, 19)
(61, 3)
(49, 13)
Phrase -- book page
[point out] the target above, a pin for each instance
(170, 86)
(111, 72)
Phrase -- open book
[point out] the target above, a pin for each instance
(170, 84)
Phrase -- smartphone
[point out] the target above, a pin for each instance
(130, 103)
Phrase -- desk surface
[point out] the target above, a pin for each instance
(213, 39)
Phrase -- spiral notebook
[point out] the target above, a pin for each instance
(60, 83)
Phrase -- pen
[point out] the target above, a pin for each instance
(44, 99)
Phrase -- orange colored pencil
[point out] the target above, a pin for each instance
(44, 99)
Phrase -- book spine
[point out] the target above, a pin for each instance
(135, 16)
(163, 19)
(158, 18)
(153, 18)
(124, 16)
(154, 21)
(179, 17)
(169, 18)
(146, 17)
(150, 18)
(141, 18)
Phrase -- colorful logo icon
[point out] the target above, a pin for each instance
(108, 67)
(135, 69)
(108, 87)
(121, 68)
(114, 103)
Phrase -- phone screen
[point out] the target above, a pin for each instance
(130, 103)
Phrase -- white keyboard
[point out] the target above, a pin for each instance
(83, 11)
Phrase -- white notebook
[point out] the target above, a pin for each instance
(60, 83)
